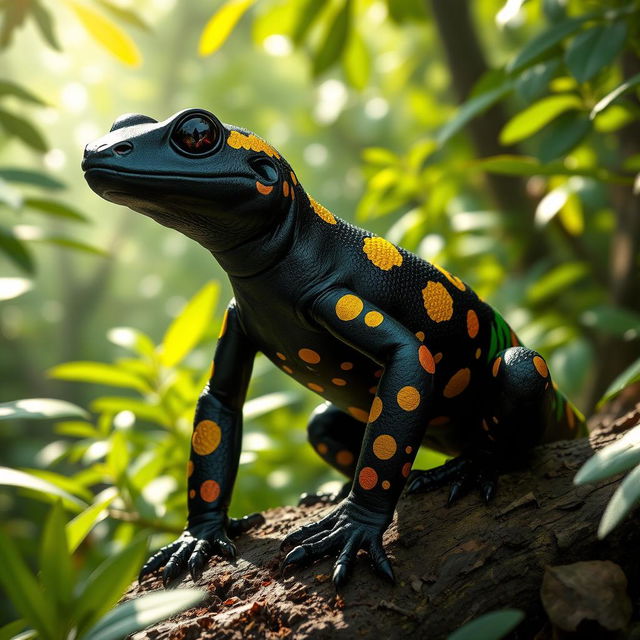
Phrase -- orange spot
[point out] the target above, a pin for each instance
(439, 421)
(437, 357)
(408, 450)
(478, 353)
(406, 469)
(457, 384)
(368, 478)
(349, 307)
(382, 253)
(315, 387)
(263, 188)
(209, 490)
(285, 189)
(339, 382)
(309, 355)
(408, 398)
(541, 366)
(473, 324)
(192, 493)
(213, 369)
(373, 318)
(426, 359)
(293, 177)
(223, 327)
(189, 468)
(293, 194)
(438, 303)
(289, 370)
(322, 212)
(281, 356)
(322, 448)
(373, 390)
(384, 447)
(376, 409)
(346, 366)
(344, 458)
(496, 366)
(386, 484)
(454, 280)
(420, 335)
(251, 142)
(206, 437)
(358, 414)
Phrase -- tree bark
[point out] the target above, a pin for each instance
(451, 565)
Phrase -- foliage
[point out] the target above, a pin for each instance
(490, 626)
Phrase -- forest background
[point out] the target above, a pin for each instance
(526, 191)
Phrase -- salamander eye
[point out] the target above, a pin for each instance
(195, 135)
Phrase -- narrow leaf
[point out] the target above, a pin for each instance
(308, 13)
(632, 82)
(132, 339)
(30, 177)
(335, 39)
(594, 49)
(16, 250)
(187, 329)
(563, 135)
(490, 626)
(144, 611)
(627, 377)
(23, 129)
(13, 287)
(221, 24)
(15, 478)
(40, 409)
(72, 243)
(8, 88)
(55, 562)
(611, 320)
(53, 208)
(98, 373)
(533, 83)
(107, 33)
(45, 24)
(80, 527)
(125, 15)
(625, 498)
(356, 61)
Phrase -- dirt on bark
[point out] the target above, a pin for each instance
(451, 564)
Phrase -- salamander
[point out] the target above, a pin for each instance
(402, 352)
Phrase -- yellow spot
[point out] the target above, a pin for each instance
(384, 447)
(439, 421)
(209, 490)
(541, 366)
(473, 324)
(264, 189)
(309, 355)
(293, 178)
(250, 142)
(408, 398)
(496, 366)
(382, 253)
(285, 189)
(368, 478)
(189, 468)
(373, 318)
(223, 328)
(346, 366)
(457, 384)
(426, 359)
(376, 410)
(206, 437)
(454, 280)
(322, 212)
(339, 382)
(281, 356)
(349, 307)
(359, 414)
(288, 370)
(437, 301)
(478, 353)
(322, 449)
(386, 484)
(315, 387)
(344, 458)
(420, 335)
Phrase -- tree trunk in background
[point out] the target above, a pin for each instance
(451, 565)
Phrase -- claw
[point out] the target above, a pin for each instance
(198, 559)
(177, 565)
(294, 556)
(488, 490)
(238, 526)
(340, 574)
(157, 560)
(380, 562)
(228, 549)
(454, 492)
(300, 535)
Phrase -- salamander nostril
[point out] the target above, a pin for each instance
(122, 148)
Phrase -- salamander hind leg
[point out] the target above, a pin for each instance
(518, 412)
(337, 438)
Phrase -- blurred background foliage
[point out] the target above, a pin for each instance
(499, 139)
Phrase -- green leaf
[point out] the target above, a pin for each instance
(40, 409)
(594, 49)
(554, 10)
(630, 375)
(619, 456)
(533, 83)
(107, 583)
(143, 410)
(132, 339)
(472, 108)
(490, 626)
(80, 527)
(335, 39)
(356, 61)
(15, 250)
(10, 196)
(563, 135)
(221, 24)
(71, 485)
(13, 287)
(144, 611)
(186, 331)
(8, 88)
(14, 478)
(72, 243)
(533, 118)
(118, 455)
(30, 177)
(98, 373)
(601, 105)
(612, 320)
(22, 129)
(25, 592)
(307, 14)
(105, 32)
(55, 560)
(12, 629)
(57, 209)
(557, 281)
(45, 24)
(257, 407)
(543, 42)
(125, 15)
(625, 498)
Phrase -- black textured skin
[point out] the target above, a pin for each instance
(402, 352)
